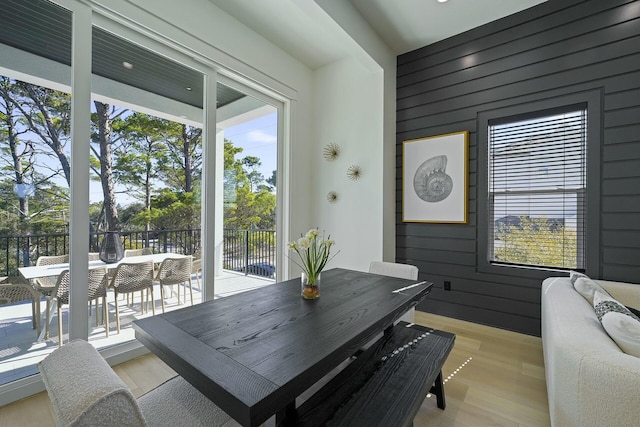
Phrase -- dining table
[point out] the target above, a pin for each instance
(254, 353)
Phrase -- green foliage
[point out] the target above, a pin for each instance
(537, 242)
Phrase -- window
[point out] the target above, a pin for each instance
(537, 189)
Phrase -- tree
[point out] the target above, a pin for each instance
(106, 124)
(538, 242)
(21, 154)
(47, 113)
(137, 167)
(182, 168)
(248, 202)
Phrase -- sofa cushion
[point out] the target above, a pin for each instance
(587, 287)
(622, 326)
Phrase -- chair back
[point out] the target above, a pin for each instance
(393, 269)
(131, 277)
(94, 256)
(174, 271)
(138, 252)
(52, 259)
(85, 391)
(98, 283)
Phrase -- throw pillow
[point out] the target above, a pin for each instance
(574, 275)
(587, 287)
(622, 326)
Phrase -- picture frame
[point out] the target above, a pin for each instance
(435, 178)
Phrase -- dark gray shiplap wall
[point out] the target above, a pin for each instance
(556, 49)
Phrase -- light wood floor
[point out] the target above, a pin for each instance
(495, 378)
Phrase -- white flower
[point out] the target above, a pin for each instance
(293, 245)
(312, 234)
(303, 243)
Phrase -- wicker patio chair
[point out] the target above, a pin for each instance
(94, 256)
(132, 277)
(45, 285)
(16, 289)
(138, 252)
(175, 271)
(196, 266)
(96, 289)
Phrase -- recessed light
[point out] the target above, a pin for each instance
(189, 88)
(127, 65)
(442, 1)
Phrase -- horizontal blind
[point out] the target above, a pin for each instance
(537, 183)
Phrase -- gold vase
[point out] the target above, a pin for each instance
(310, 286)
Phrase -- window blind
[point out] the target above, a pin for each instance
(537, 190)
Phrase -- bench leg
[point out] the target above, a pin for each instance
(438, 390)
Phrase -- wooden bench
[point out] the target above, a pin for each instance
(386, 384)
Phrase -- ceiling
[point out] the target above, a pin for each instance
(300, 27)
(404, 25)
(26, 25)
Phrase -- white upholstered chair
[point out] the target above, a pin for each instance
(85, 391)
(402, 271)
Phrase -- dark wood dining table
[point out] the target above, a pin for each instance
(253, 353)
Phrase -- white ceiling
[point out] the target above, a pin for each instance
(302, 30)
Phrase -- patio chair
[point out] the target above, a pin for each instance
(45, 285)
(15, 289)
(96, 287)
(138, 252)
(94, 256)
(175, 271)
(132, 277)
(402, 271)
(85, 391)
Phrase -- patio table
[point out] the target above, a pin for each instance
(54, 270)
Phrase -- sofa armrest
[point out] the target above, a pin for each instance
(85, 391)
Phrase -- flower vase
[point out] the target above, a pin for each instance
(310, 286)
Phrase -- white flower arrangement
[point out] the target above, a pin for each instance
(314, 252)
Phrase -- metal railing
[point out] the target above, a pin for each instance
(248, 251)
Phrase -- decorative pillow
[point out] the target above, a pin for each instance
(574, 275)
(622, 326)
(587, 287)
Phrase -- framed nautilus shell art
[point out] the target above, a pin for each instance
(435, 178)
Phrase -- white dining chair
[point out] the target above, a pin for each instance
(402, 271)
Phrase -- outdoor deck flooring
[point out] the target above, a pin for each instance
(20, 350)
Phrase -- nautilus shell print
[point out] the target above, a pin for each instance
(431, 182)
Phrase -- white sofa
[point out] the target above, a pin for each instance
(590, 381)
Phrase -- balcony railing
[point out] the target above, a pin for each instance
(248, 251)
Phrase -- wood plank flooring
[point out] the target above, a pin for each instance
(493, 378)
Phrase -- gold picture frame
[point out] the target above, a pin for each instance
(435, 178)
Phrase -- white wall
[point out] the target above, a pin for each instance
(349, 102)
(348, 112)
(346, 16)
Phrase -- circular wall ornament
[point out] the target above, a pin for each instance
(331, 152)
(354, 172)
(332, 197)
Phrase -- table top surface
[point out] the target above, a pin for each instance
(253, 353)
(39, 271)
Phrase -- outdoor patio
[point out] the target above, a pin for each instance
(20, 350)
